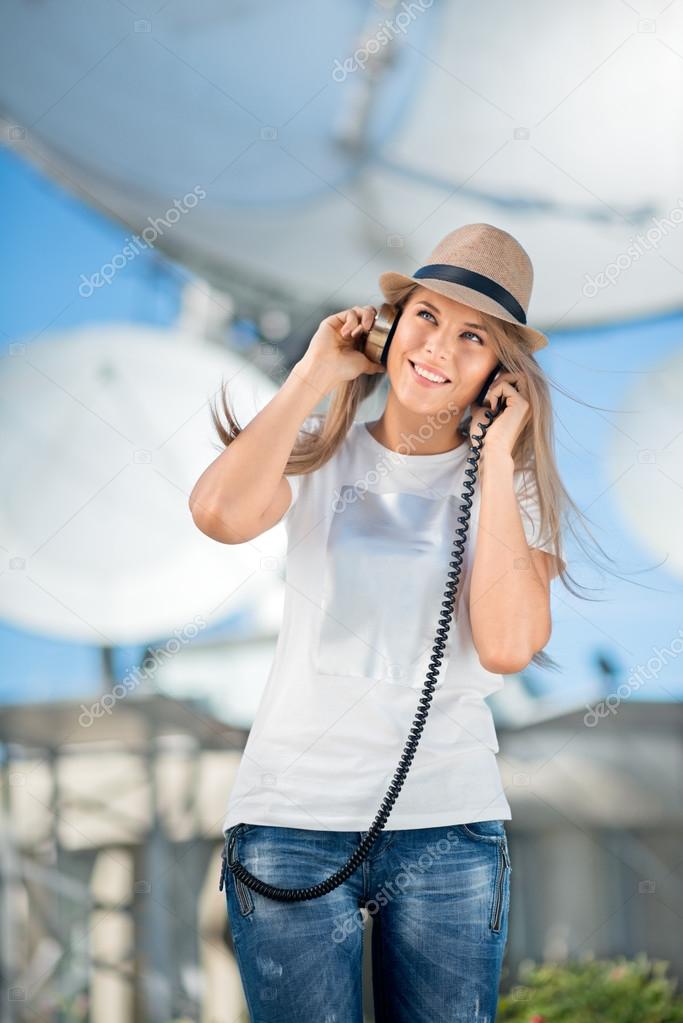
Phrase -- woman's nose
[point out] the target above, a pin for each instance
(438, 348)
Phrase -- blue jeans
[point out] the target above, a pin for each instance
(439, 898)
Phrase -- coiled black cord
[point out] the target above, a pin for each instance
(443, 628)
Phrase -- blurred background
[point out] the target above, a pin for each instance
(187, 191)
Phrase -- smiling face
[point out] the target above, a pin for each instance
(447, 341)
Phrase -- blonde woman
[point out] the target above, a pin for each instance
(371, 510)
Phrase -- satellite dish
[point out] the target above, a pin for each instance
(365, 162)
(106, 429)
(645, 461)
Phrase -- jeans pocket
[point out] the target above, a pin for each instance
(491, 835)
(485, 831)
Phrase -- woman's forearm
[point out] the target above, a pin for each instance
(240, 483)
(509, 605)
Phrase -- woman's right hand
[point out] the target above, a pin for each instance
(332, 356)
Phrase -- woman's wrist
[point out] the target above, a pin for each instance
(496, 463)
(312, 382)
(314, 376)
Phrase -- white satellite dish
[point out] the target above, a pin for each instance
(106, 429)
(645, 461)
(369, 153)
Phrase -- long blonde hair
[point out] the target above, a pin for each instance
(533, 451)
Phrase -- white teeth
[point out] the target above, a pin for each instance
(428, 375)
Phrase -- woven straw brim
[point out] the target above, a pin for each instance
(394, 284)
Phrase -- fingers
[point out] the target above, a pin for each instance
(504, 391)
(373, 367)
(508, 377)
(507, 384)
(358, 320)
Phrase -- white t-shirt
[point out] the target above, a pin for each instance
(370, 536)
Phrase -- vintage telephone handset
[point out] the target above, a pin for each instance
(376, 347)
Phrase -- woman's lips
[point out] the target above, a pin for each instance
(423, 380)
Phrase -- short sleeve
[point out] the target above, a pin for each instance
(527, 496)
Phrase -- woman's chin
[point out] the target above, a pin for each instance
(420, 399)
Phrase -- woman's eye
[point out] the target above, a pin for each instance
(470, 332)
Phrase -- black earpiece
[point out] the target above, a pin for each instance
(481, 397)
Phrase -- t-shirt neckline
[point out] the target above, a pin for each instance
(415, 459)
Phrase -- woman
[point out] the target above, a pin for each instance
(370, 511)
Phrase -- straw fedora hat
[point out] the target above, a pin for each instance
(481, 266)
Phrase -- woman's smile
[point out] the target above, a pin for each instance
(423, 379)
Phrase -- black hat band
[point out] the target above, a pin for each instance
(477, 282)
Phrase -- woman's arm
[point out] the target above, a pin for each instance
(510, 586)
(229, 499)
(243, 492)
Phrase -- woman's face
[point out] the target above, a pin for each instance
(446, 337)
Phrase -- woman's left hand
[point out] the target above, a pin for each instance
(508, 425)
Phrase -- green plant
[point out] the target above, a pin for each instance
(593, 991)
